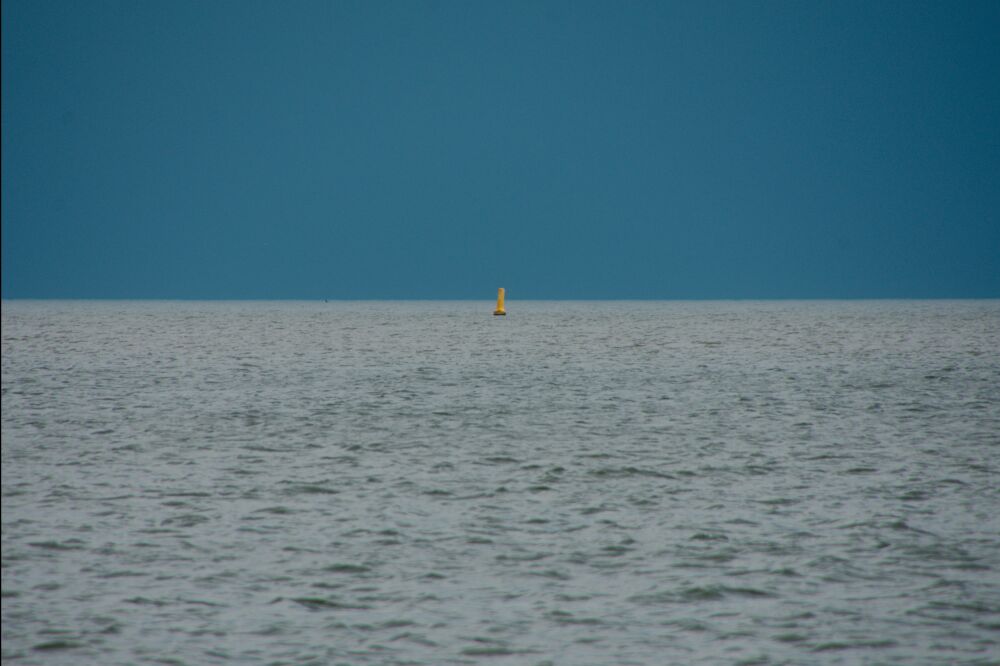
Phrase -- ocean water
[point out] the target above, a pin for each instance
(577, 483)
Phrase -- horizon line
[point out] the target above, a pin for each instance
(488, 299)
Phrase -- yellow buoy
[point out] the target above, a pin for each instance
(500, 310)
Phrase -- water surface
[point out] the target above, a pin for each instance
(576, 483)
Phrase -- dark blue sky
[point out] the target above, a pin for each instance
(217, 149)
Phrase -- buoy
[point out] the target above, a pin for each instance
(500, 311)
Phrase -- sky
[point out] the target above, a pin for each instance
(231, 149)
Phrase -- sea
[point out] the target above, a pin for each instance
(600, 483)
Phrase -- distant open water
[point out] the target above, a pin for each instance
(577, 483)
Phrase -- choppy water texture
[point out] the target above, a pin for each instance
(576, 483)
